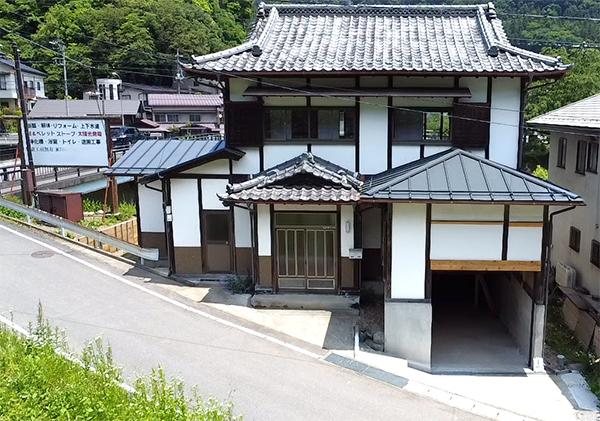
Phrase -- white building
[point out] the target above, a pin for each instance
(369, 145)
(573, 163)
(33, 81)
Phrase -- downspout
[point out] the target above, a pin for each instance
(522, 129)
(547, 265)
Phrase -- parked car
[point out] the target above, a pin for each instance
(125, 136)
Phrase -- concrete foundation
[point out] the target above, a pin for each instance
(537, 337)
(408, 331)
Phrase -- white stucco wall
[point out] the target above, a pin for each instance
(275, 154)
(342, 155)
(151, 217)
(346, 227)
(408, 251)
(504, 120)
(477, 86)
(220, 166)
(249, 163)
(186, 212)
(404, 154)
(525, 243)
(264, 230)
(210, 188)
(373, 136)
(237, 88)
(243, 237)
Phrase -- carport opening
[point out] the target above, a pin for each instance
(469, 333)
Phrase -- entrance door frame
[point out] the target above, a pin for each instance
(205, 242)
(274, 250)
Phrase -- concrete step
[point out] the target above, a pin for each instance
(306, 301)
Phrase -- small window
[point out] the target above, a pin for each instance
(111, 93)
(418, 126)
(574, 239)
(592, 157)
(160, 118)
(309, 123)
(196, 118)
(217, 227)
(172, 118)
(581, 154)
(561, 158)
(39, 86)
(595, 253)
(3, 82)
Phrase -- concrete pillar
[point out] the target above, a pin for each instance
(537, 338)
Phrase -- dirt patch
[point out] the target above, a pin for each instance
(371, 313)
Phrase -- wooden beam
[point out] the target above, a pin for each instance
(487, 265)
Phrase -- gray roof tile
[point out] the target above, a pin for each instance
(425, 38)
(583, 114)
(459, 176)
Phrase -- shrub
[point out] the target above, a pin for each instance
(241, 284)
(9, 212)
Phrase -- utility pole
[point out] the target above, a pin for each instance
(63, 62)
(178, 76)
(23, 105)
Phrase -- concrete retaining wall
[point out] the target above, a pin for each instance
(408, 331)
(515, 311)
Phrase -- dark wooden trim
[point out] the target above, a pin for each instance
(358, 243)
(309, 147)
(166, 187)
(137, 210)
(274, 282)
(408, 300)
(232, 244)
(489, 90)
(541, 281)
(421, 151)
(505, 227)
(357, 131)
(338, 269)
(428, 282)
(390, 133)
(261, 157)
(489, 104)
(254, 244)
(308, 98)
(202, 227)
(226, 91)
(387, 268)
(521, 140)
(456, 82)
(201, 176)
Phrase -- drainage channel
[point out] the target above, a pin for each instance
(367, 370)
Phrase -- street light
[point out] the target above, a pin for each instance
(120, 92)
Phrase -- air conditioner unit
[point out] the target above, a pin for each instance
(565, 275)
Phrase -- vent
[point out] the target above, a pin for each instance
(565, 275)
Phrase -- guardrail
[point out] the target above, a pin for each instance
(65, 225)
(10, 139)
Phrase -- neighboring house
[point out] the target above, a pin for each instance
(191, 114)
(130, 110)
(573, 163)
(33, 81)
(370, 146)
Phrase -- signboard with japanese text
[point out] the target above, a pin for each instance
(68, 142)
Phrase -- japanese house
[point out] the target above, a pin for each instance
(369, 146)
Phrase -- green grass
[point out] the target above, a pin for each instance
(127, 210)
(562, 340)
(36, 383)
(9, 212)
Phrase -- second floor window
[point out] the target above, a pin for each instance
(592, 157)
(420, 126)
(167, 118)
(309, 123)
(581, 155)
(39, 87)
(196, 117)
(561, 159)
(574, 239)
(3, 82)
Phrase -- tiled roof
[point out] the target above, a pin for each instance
(150, 157)
(25, 68)
(338, 184)
(83, 108)
(412, 39)
(184, 100)
(459, 176)
(583, 114)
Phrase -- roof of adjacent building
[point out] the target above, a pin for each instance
(184, 100)
(306, 178)
(151, 158)
(582, 114)
(83, 108)
(459, 176)
(25, 68)
(299, 38)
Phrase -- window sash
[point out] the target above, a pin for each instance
(581, 157)
(561, 158)
(308, 123)
(592, 157)
(574, 239)
(421, 126)
(196, 118)
(595, 253)
(3, 85)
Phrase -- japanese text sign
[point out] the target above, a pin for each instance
(68, 142)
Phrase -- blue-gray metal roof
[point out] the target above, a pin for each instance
(25, 68)
(148, 157)
(459, 176)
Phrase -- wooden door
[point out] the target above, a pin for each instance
(217, 234)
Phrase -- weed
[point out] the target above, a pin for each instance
(241, 284)
(9, 212)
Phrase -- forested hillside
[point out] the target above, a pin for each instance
(139, 39)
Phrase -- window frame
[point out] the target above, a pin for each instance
(561, 157)
(581, 157)
(160, 118)
(195, 118)
(172, 118)
(595, 257)
(309, 110)
(591, 161)
(424, 141)
(574, 239)
(209, 214)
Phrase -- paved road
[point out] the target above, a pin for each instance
(265, 380)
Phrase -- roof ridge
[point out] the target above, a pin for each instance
(366, 7)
